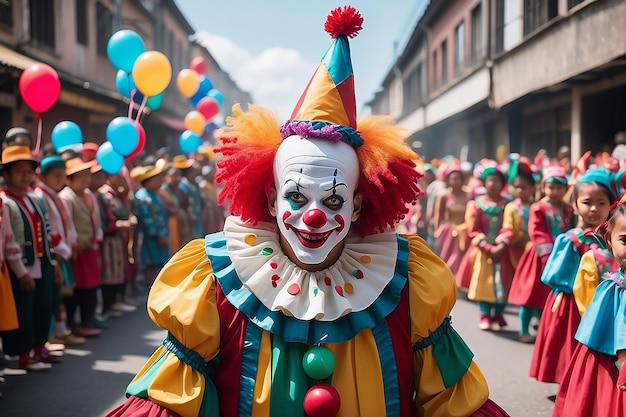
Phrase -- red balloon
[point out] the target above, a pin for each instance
(209, 107)
(322, 400)
(40, 87)
(140, 144)
(198, 64)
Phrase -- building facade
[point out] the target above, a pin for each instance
(482, 76)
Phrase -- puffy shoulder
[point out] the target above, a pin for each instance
(432, 289)
(182, 299)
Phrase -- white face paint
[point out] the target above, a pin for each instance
(315, 182)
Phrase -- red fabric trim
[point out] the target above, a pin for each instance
(141, 407)
(490, 409)
(399, 321)
(232, 333)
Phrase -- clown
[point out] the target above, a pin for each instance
(308, 303)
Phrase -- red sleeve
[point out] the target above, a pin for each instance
(474, 220)
(538, 225)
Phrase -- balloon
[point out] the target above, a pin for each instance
(155, 102)
(123, 135)
(198, 65)
(194, 121)
(189, 142)
(123, 48)
(141, 143)
(65, 134)
(124, 83)
(208, 107)
(188, 82)
(217, 95)
(110, 161)
(203, 89)
(152, 73)
(40, 87)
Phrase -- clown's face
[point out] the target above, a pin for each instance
(315, 200)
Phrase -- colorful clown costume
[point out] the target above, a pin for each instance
(236, 341)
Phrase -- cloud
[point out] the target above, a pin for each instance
(275, 77)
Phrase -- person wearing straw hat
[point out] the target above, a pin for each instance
(32, 285)
(82, 211)
(152, 219)
(190, 170)
(309, 303)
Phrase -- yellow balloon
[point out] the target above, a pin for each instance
(188, 82)
(195, 122)
(152, 73)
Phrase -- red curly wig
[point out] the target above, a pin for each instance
(387, 182)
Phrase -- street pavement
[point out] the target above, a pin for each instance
(91, 379)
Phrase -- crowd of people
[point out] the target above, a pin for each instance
(78, 246)
(547, 236)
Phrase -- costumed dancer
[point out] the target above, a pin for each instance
(514, 231)
(449, 216)
(309, 303)
(594, 383)
(486, 269)
(592, 196)
(548, 218)
(33, 285)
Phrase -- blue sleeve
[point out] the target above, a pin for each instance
(562, 265)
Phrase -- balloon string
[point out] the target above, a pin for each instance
(39, 133)
(143, 104)
(130, 104)
(127, 178)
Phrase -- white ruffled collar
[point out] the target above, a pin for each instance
(352, 284)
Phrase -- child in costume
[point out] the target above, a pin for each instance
(592, 196)
(449, 216)
(594, 383)
(486, 267)
(514, 231)
(548, 218)
(308, 303)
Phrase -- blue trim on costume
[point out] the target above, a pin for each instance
(389, 369)
(188, 356)
(291, 329)
(249, 366)
(435, 336)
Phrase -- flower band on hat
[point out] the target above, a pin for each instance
(324, 130)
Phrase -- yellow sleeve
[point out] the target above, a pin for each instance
(182, 301)
(587, 279)
(432, 294)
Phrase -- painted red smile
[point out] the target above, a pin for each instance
(312, 240)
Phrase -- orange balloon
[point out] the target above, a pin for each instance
(152, 73)
(188, 82)
(195, 121)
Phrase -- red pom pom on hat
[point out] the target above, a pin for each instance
(345, 21)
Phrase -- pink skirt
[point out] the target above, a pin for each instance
(141, 407)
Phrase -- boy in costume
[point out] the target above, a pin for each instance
(308, 303)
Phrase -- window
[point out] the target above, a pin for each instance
(538, 12)
(412, 89)
(81, 22)
(6, 12)
(444, 62)
(42, 22)
(459, 48)
(500, 25)
(476, 46)
(104, 20)
(572, 3)
(435, 69)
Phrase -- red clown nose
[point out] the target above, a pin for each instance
(314, 218)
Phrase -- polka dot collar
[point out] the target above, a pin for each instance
(352, 284)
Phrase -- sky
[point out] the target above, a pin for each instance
(271, 48)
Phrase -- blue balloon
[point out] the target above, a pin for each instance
(124, 83)
(110, 161)
(65, 135)
(123, 48)
(189, 142)
(154, 102)
(204, 87)
(123, 135)
(217, 95)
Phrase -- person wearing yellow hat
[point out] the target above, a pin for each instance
(152, 219)
(308, 303)
(33, 285)
(86, 220)
(176, 204)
